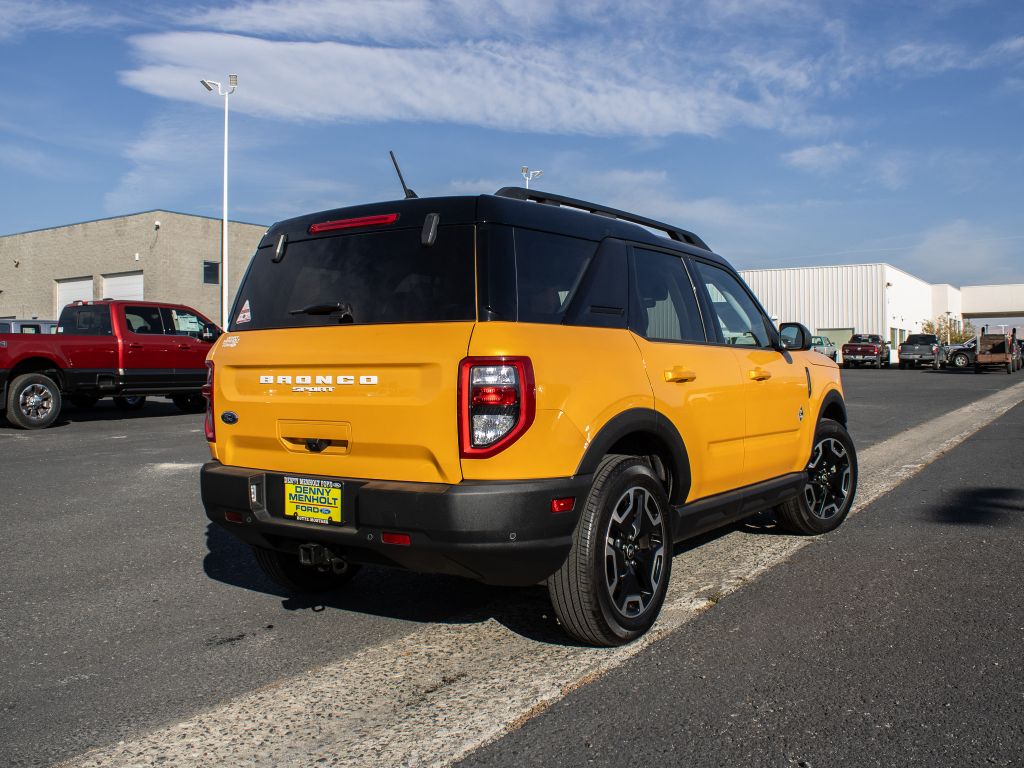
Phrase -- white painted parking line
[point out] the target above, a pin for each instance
(444, 690)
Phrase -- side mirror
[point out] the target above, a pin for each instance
(795, 337)
(210, 333)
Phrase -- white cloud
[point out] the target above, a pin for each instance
(961, 253)
(28, 160)
(821, 159)
(20, 16)
(534, 88)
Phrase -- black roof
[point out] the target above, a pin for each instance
(542, 211)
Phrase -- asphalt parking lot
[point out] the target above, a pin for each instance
(123, 610)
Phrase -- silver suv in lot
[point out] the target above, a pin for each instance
(824, 345)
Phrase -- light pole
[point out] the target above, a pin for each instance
(529, 175)
(948, 313)
(232, 85)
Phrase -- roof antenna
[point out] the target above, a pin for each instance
(408, 192)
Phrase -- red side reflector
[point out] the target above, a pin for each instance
(233, 517)
(362, 221)
(400, 539)
(563, 505)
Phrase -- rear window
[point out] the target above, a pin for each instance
(921, 338)
(85, 320)
(361, 279)
(862, 338)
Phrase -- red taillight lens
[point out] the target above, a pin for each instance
(497, 402)
(361, 221)
(397, 539)
(563, 505)
(209, 425)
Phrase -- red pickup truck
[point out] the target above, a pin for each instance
(124, 349)
(866, 349)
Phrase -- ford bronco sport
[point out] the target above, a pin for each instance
(518, 388)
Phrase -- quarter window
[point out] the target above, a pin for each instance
(740, 321)
(664, 306)
(549, 268)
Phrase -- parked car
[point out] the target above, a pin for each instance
(123, 349)
(28, 326)
(413, 383)
(958, 356)
(866, 349)
(824, 346)
(920, 349)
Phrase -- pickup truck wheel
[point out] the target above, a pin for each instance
(190, 403)
(611, 586)
(827, 495)
(129, 402)
(960, 361)
(286, 571)
(33, 401)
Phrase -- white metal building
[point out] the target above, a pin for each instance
(838, 301)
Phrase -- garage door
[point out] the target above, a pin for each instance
(125, 285)
(839, 336)
(75, 289)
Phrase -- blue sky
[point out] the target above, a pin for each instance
(785, 133)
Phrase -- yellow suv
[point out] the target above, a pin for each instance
(518, 388)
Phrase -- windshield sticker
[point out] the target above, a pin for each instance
(245, 315)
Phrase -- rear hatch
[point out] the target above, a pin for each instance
(343, 355)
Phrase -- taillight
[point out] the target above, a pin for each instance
(362, 221)
(209, 425)
(496, 404)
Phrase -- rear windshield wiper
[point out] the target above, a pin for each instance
(344, 311)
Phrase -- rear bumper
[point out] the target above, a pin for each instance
(496, 532)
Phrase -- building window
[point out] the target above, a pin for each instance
(211, 272)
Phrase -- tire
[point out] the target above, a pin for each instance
(826, 498)
(960, 361)
(83, 401)
(189, 403)
(129, 402)
(611, 587)
(285, 570)
(33, 401)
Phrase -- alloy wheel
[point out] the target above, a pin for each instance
(828, 479)
(634, 552)
(36, 402)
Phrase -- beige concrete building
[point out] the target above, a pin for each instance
(155, 255)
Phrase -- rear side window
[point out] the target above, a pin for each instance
(85, 321)
(365, 278)
(664, 307)
(144, 320)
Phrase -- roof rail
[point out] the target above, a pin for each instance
(547, 198)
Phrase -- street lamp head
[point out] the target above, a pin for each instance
(536, 174)
(206, 85)
(233, 81)
(524, 170)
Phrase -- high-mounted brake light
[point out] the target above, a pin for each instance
(497, 402)
(209, 424)
(361, 221)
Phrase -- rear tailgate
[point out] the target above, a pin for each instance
(382, 397)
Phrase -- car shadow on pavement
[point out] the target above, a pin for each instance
(105, 410)
(396, 594)
(981, 506)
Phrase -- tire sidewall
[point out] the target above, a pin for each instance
(14, 413)
(629, 473)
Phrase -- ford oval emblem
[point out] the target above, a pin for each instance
(229, 417)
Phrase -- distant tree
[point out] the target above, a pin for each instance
(941, 325)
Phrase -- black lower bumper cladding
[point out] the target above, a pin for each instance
(497, 532)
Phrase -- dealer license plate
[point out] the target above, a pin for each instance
(314, 500)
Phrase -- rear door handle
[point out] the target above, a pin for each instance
(759, 374)
(679, 374)
(184, 346)
(134, 346)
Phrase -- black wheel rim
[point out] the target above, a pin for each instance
(634, 552)
(829, 478)
(36, 402)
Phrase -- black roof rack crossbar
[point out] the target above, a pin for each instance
(547, 198)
